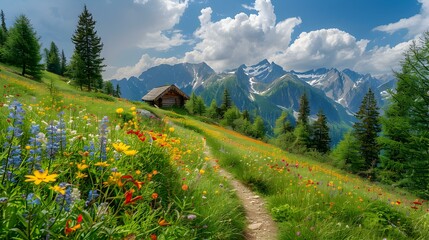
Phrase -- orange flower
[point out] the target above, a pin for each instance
(153, 236)
(68, 230)
(154, 195)
(129, 197)
(417, 202)
(185, 187)
(162, 222)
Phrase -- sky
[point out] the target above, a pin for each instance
(368, 36)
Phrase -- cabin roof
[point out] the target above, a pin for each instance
(158, 92)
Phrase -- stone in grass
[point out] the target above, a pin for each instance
(254, 226)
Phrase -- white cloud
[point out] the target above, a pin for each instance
(382, 60)
(322, 48)
(143, 64)
(415, 25)
(160, 41)
(230, 42)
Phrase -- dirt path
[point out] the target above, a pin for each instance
(260, 225)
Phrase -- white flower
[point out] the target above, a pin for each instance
(117, 128)
(75, 194)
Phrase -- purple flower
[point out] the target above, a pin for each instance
(191, 216)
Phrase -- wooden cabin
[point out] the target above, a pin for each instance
(166, 96)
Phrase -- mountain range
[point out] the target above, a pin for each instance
(267, 89)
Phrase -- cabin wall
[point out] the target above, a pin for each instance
(171, 98)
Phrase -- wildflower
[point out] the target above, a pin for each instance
(103, 209)
(191, 216)
(154, 172)
(129, 197)
(58, 189)
(119, 110)
(102, 164)
(162, 222)
(120, 147)
(81, 166)
(171, 129)
(138, 172)
(40, 177)
(75, 194)
(185, 187)
(202, 171)
(52, 145)
(103, 138)
(65, 200)
(27, 147)
(154, 196)
(130, 152)
(35, 145)
(92, 196)
(114, 178)
(68, 230)
(153, 236)
(80, 175)
(32, 199)
(416, 202)
(133, 109)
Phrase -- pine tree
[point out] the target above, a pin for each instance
(22, 48)
(191, 104)
(118, 91)
(88, 47)
(246, 115)
(405, 132)
(108, 88)
(304, 110)
(76, 70)
(226, 102)
(321, 139)
(3, 29)
(282, 125)
(213, 111)
(258, 127)
(366, 130)
(200, 106)
(53, 63)
(63, 63)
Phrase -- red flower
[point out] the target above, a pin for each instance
(68, 230)
(417, 202)
(153, 236)
(129, 197)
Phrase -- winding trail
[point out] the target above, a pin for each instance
(260, 225)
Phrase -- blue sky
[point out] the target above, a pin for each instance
(368, 36)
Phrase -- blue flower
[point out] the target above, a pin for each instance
(103, 137)
(35, 148)
(53, 145)
(92, 195)
(32, 200)
(65, 200)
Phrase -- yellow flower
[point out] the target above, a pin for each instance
(81, 166)
(120, 147)
(171, 129)
(133, 109)
(119, 110)
(202, 171)
(131, 152)
(27, 147)
(80, 175)
(58, 189)
(114, 178)
(102, 164)
(138, 172)
(40, 177)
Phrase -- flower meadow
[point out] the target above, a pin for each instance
(312, 200)
(69, 172)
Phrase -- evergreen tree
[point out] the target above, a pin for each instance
(108, 88)
(230, 116)
(366, 130)
(304, 110)
(282, 125)
(246, 115)
(53, 63)
(347, 154)
(3, 30)
(88, 47)
(63, 63)
(76, 70)
(191, 104)
(226, 102)
(258, 127)
(200, 106)
(22, 48)
(321, 139)
(118, 91)
(405, 138)
(213, 111)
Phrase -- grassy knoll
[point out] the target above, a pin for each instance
(311, 200)
(87, 166)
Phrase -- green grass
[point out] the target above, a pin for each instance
(311, 200)
(204, 210)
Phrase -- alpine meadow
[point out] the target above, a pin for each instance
(220, 130)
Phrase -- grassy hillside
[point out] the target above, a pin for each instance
(105, 171)
(311, 200)
(168, 189)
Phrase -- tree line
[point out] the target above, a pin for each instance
(20, 47)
